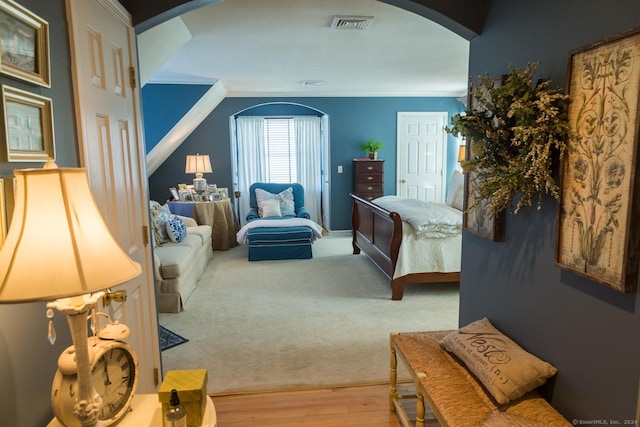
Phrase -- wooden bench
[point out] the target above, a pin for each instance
(453, 394)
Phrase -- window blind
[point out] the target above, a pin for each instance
(280, 147)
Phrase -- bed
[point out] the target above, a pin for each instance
(395, 248)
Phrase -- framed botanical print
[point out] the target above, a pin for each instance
(598, 233)
(24, 43)
(27, 127)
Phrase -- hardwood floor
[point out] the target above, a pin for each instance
(332, 407)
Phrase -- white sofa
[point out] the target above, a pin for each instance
(179, 266)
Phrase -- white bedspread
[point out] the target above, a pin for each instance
(431, 220)
(420, 255)
(241, 236)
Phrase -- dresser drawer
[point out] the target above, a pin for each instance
(369, 188)
(364, 167)
(369, 178)
(370, 197)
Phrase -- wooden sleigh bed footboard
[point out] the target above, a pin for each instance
(378, 234)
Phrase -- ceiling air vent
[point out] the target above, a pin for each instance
(351, 22)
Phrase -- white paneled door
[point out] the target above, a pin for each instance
(421, 153)
(110, 139)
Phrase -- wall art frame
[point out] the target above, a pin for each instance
(477, 219)
(3, 215)
(598, 232)
(27, 127)
(9, 188)
(24, 41)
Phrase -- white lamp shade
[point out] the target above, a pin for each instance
(58, 244)
(199, 163)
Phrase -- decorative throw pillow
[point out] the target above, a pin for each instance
(159, 219)
(502, 366)
(285, 198)
(269, 208)
(176, 229)
(455, 191)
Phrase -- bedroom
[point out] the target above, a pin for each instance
(587, 328)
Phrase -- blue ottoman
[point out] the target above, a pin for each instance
(270, 243)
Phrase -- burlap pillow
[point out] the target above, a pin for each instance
(502, 366)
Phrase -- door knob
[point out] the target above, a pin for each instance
(403, 181)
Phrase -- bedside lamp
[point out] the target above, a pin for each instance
(59, 247)
(198, 164)
(462, 153)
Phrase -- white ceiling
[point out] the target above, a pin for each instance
(269, 47)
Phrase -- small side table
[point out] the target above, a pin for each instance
(217, 214)
(146, 411)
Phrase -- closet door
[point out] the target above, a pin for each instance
(109, 134)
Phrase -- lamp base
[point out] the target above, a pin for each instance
(200, 185)
(88, 401)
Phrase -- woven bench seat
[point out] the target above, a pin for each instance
(453, 394)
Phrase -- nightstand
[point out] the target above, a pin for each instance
(146, 411)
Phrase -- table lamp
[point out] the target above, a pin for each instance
(198, 164)
(59, 247)
(462, 153)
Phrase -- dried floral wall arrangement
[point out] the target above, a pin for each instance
(515, 129)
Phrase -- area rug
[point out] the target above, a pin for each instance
(296, 324)
(169, 339)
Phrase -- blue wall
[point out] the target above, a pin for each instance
(27, 361)
(588, 331)
(161, 113)
(351, 121)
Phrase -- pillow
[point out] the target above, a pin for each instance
(176, 229)
(455, 191)
(159, 219)
(269, 208)
(285, 198)
(504, 368)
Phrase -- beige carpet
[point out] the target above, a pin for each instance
(275, 325)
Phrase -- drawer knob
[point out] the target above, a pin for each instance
(369, 188)
(369, 167)
(369, 178)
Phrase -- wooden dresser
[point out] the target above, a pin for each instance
(368, 178)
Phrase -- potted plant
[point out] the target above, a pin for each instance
(371, 147)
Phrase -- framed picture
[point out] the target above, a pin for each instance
(3, 215)
(185, 195)
(9, 189)
(24, 42)
(224, 193)
(27, 128)
(174, 193)
(477, 219)
(598, 234)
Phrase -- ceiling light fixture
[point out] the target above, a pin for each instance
(351, 22)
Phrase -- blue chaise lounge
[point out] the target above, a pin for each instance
(277, 242)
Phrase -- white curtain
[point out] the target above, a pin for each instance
(308, 161)
(251, 157)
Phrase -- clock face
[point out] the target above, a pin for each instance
(114, 380)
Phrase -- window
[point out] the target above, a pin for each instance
(280, 150)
